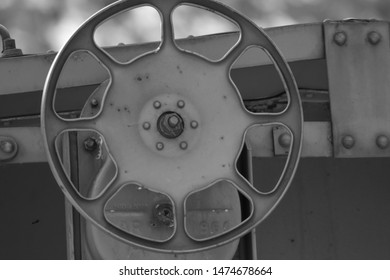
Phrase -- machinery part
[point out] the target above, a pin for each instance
(9, 46)
(8, 148)
(211, 155)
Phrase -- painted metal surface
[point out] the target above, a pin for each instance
(8, 148)
(357, 55)
(317, 140)
(96, 169)
(327, 214)
(29, 142)
(215, 103)
(297, 42)
(335, 209)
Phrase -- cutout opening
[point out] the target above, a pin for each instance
(192, 21)
(136, 26)
(259, 81)
(214, 211)
(86, 162)
(81, 68)
(270, 145)
(141, 212)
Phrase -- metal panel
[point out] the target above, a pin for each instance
(32, 208)
(359, 70)
(264, 141)
(29, 141)
(316, 141)
(334, 209)
(297, 42)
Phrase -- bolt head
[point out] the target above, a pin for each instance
(285, 140)
(159, 146)
(194, 124)
(146, 125)
(183, 145)
(173, 121)
(382, 142)
(90, 144)
(7, 146)
(348, 142)
(340, 38)
(181, 104)
(94, 102)
(374, 37)
(157, 104)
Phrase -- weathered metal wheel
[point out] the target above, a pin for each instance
(183, 130)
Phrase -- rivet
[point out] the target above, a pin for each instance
(7, 146)
(340, 38)
(181, 104)
(348, 142)
(285, 140)
(157, 104)
(183, 145)
(194, 124)
(374, 37)
(146, 125)
(159, 146)
(382, 141)
(94, 102)
(90, 144)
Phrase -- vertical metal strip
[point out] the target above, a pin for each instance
(247, 249)
(68, 206)
(358, 62)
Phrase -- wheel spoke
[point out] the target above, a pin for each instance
(261, 203)
(180, 240)
(59, 125)
(234, 53)
(168, 38)
(85, 41)
(290, 117)
(96, 206)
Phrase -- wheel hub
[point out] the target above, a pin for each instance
(170, 125)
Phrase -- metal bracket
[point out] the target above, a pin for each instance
(358, 60)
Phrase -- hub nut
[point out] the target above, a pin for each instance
(170, 125)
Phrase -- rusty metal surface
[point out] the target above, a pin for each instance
(358, 62)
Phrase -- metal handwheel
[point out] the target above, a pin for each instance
(182, 129)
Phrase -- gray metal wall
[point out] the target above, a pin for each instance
(335, 209)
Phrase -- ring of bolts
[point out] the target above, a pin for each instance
(170, 125)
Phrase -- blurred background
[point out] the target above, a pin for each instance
(42, 25)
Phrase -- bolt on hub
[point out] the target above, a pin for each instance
(170, 125)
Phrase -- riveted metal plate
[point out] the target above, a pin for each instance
(317, 139)
(358, 60)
